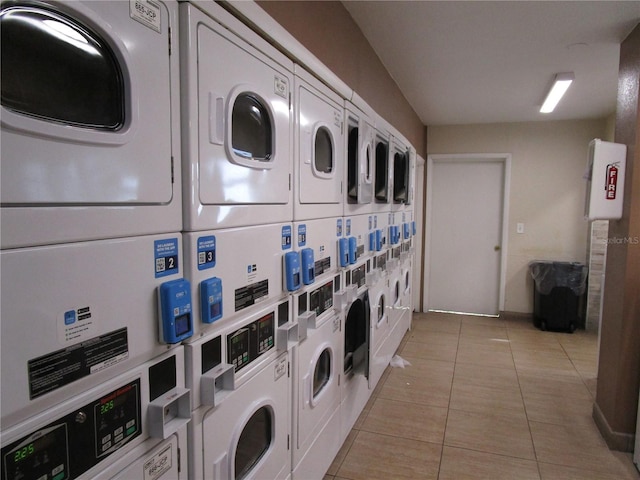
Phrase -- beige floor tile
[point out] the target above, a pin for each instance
(373, 456)
(407, 420)
(579, 446)
(568, 386)
(445, 325)
(485, 331)
(559, 472)
(559, 410)
(489, 433)
(434, 389)
(433, 337)
(342, 453)
(425, 368)
(488, 357)
(488, 400)
(434, 351)
(460, 464)
(486, 321)
(497, 344)
(492, 377)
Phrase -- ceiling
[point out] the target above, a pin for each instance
(464, 62)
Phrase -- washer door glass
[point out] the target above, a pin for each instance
(400, 177)
(251, 129)
(254, 442)
(382, 169)
(355, 334)
(57, 70)
(322, 372)
(381, 307)
(323, 151)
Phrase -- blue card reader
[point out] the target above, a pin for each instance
(210, 300)
(174, 298)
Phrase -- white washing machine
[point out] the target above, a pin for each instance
(131, 426)
(76, 315)
(354, 387)
(383, 178)
(237, 122)
(240, 379)
(317, 362)
(90, 129)
(360, 157)
(319, 149)
(235, 271)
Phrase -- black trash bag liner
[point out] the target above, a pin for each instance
(548, 275)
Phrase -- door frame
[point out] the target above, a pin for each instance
(504, 158)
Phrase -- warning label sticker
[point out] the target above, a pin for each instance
(157, 465)
(251, 294)
(60, 368)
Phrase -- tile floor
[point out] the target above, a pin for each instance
(484, 398)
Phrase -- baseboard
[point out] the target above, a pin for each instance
(622, 442)
(516, 315)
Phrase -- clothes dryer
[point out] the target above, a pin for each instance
(316, 366)
(355, 390)
(90, 128)
(379, 298)
(131, 426)
(241, 425)
(402, 172)
(319, 149)
(360, 157)
(76, 315)
(237, 122)
(236, 271)
(383, 179)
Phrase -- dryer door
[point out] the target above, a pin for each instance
(320, 162)
(244, 123)
(86, 104)
(360, 158)
(356, 336)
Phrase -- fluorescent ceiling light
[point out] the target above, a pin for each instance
(560, 85)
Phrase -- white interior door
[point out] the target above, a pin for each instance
(465, 230)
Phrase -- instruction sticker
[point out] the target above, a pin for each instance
(147, 13)
(348, 228)
(286, 237)
(280, 87)
(339, 227)
(302, 235)
(206, 252)
(166, 257)
(75, 325)
(60, 368)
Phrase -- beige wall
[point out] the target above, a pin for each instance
(327, 30)
(547, 190)
(618, 370)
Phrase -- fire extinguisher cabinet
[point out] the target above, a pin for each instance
(605, 180)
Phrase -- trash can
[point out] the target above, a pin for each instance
(558, 295)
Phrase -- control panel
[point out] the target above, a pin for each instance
(73, 444)
(251, 341)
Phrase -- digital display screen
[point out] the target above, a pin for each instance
(26, 460)
(183, 324)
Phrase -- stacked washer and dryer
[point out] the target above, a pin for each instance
(201, 239)
(93, 372)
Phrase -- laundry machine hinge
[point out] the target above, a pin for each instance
(289, 182)
(172, 169)
(288, 369)
(288, 442)
(179, 470)
(169, 40)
